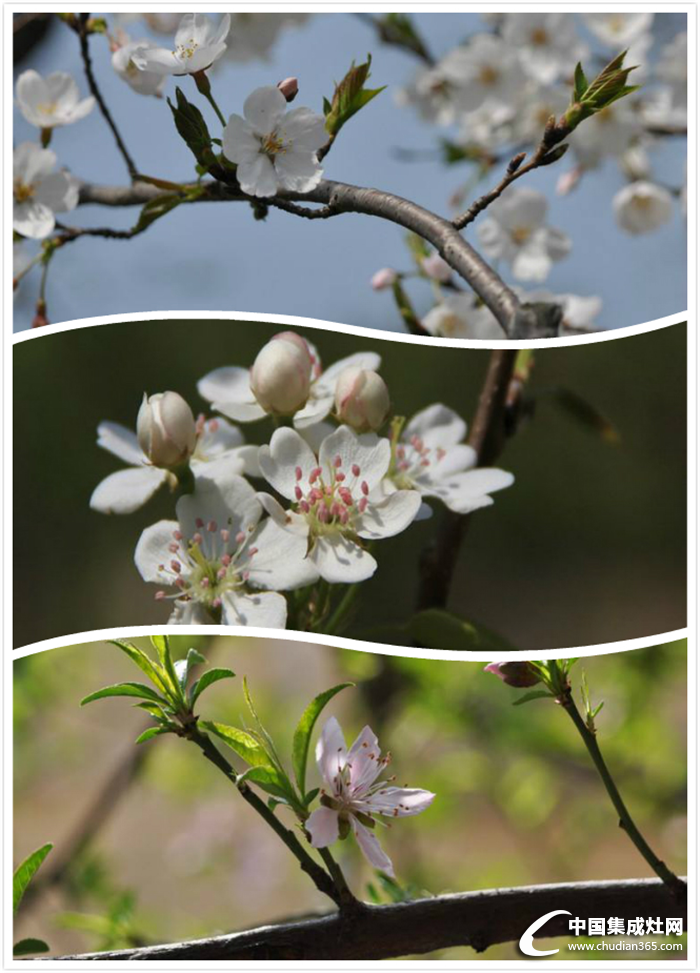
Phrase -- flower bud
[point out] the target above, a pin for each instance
(519, 674)
(383, 278)
(289, 88)
(166, 429)
(436, 268)
(280, 378)
(362, 399)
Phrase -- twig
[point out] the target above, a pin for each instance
(474, 919)
(487, 435)
(389, 34)
(84, 37)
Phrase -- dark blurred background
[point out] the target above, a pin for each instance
(181, 856)
(588, 546)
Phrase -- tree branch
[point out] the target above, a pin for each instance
(475, 919)
(517, 320)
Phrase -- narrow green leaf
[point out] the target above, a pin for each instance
(528, 697)
(302, 734)
(152, 731)
(124, 689)
(153, 671)
(27, 947)
(161, 643)
(435, 628)
(580, 82)
(245, 745)
(25, 872)
(207, 679)
(349, 97)
(155, 208)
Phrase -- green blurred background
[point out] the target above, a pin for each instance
(181, 856)
(588, 546)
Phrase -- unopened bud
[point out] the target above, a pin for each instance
(289, 88)
(436, 268)
(280, 378)
(166, 429)
(40, 319)
(519, 674)
(386, 277)
(362, 399)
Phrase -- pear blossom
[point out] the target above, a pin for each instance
(514, 230)
(430, 456)
(52, 101)
(143, 82)
(618, 30)
(354, 798)
(229, 390)
(579, 313)
(274, 148)
(165, 429)
(545, 43)
(223, 562)
(198, 43)
(362, 399)
(333, 508)
(483, 70)
(641, 207)
(219, 450)
(457, 316)
(39, 193)
(280, 378)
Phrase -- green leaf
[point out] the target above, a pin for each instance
(580, 82)
(27, 947)
(302, 734)
(349, 97)
(192, 128)
(152, 731)
(398, 29)
(26, 872)
(528, 697)
(124, 689)
(161, 644)
(245, 745)
(154, 672)
(207, 679)
(183, 667)
(435, 628)
(155, 208)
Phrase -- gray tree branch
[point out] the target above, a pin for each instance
(517, 320)
(475, 919)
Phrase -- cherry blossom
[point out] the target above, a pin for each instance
(354, 798)
(618, 30)
(274, 148)
(143, 82)
(198, 43)
(641, 207)
(482, 71)
(546, 43)
(52, 101)
(457, 316)
(332, 504)
(579, 313)
(39, 192)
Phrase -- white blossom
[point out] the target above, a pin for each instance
(641, 207)
(618, 30)
(219, 450)
(143, 82)
(221, 559)
(280, 378)
(362, 399)
(579, 313)
(254, 34)
(514, 230)
(52, 101)
(165, 429)
(457, 316)
(608, 133)
(332, 507)
(274, 148)
(672, 68)
(198, 43)
(39, 193)
(483, 70)
(546, 43)
(354, 798)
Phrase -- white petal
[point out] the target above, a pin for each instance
(315, 433)
(368, 451)
(465, 492)
(368, 360)
(230, 503)
(323, 827)
(341, 561)
(363, 759)
(264, 108)
(226, 385)
(315, 410)
(279, 460)
(257, 176)
(121, 442)
(127, 490)
(240, 144)
(280, 563)
(330, 751)
(298, 170)
(189, 613)
(400, 802)
(304, 128)
(437, 426)
(264, 609)
(157, 60)
(371, 849)
(283, 518)
(152, 551)
(531, 263)
(58, 191)
(389, 517)
(219, 437)
(32, 219)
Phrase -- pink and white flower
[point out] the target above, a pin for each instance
(223, 562)
(198, 43)
(333, 507)
(354, 798)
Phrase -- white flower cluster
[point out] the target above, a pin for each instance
(342, 476)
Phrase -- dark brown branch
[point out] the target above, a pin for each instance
(518, 320)
(487, 435)
(475, 919)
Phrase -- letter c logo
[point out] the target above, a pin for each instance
(526, 944)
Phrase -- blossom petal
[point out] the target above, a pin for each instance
(371, 849)
(257, 176)
(331, 754)
(468, 491)
(127, 490)
(438, 427)
(286, 519)
(189, 613)
(264, 108)
(323, 827)
(240, 144)
(370, 453)
(305, 128)
(280, 563)
(391, 516)
(225, 385)
(263, 609)
(341, 561)
(230, 503)
(364, 763)
(298, 170)
(153, 551)
(279, 461)
(121, 442)
(400, 802)
(368, 360)
(58, 191)
(314, 412)
(32, 219)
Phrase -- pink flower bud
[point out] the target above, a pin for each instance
(289, 88)
(166, 429)
(519, 674)
(361, 399)
(384, 278)
(436, 268)
(280, 378)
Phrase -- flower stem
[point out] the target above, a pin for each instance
(318, 875)
(677, 887)
(347, 900)
(204, 88)
(340, 613)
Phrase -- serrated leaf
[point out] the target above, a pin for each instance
(25, 872)
(349, 96)
(305, 726)
(152, 731)
(124, 689)
(528, 697)
(208, 679)
(28, 947)
(436, 628)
